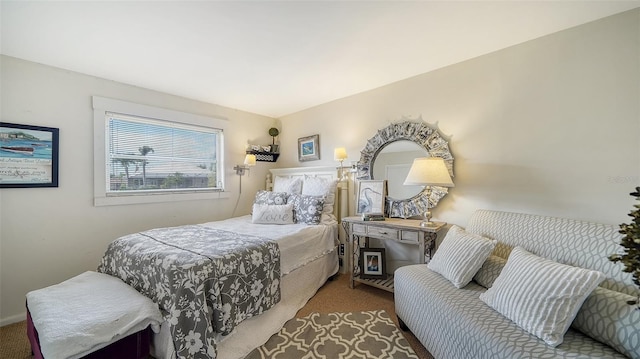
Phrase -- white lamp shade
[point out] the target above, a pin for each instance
(250, 160)
(429, 171)
(340, 154)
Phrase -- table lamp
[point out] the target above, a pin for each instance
(427, 172)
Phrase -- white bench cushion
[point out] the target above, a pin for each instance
(87, 313)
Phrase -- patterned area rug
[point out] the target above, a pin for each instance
(337, 335)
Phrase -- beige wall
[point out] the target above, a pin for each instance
(551, 126)
(51, 234)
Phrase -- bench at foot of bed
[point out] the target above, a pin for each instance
(92, 315)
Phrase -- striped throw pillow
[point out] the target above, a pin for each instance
(539, 295)
(460, 255)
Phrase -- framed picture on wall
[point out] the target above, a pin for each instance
(371, 196)
(309, 148)
(372, 265)
(28, 156)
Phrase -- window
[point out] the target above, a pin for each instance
(150, 155)
(145, 154)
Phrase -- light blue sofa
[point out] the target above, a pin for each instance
(455, 324)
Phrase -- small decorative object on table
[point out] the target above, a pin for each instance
(371, 196)
(631, 243)
(373, 217)
(372, 263)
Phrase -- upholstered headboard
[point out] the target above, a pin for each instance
(341, 207)
(577, 243)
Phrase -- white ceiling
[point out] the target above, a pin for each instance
(276, 58)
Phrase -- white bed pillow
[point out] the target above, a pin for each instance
(322, 187)
(540, 295)
(290, 185)
(272, 214)
(460, 255)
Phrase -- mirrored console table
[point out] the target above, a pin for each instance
(407, 231)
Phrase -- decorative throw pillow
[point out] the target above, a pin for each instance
(268, 197)
(539, 295)
(324, 187)
(272, 214)
(291, 185)
(306, 209)
(489, 271)
(460, 255)
(606, 317)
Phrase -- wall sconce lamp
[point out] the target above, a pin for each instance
(340, 154)
(249, 161)
(428, 171)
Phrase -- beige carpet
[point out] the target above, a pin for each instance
(334, 296)
(13, 341)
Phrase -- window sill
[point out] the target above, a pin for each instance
(119, 200)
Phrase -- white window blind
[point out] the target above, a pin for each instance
(148, 155)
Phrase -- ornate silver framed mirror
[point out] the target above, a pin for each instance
(389, 154)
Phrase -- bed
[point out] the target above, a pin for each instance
(225, 300)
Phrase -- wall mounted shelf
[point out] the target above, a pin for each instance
(264, 156)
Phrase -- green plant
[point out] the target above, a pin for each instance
(273, 132)
(631, 244)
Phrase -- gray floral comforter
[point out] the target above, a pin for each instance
(205, 280)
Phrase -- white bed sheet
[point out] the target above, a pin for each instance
(308, 257)
(299, 243)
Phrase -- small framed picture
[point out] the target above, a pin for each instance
(371, 196)
(28, 156)
(309, 148)
(372, 263)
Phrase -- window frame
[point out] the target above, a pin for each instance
(102, 107)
